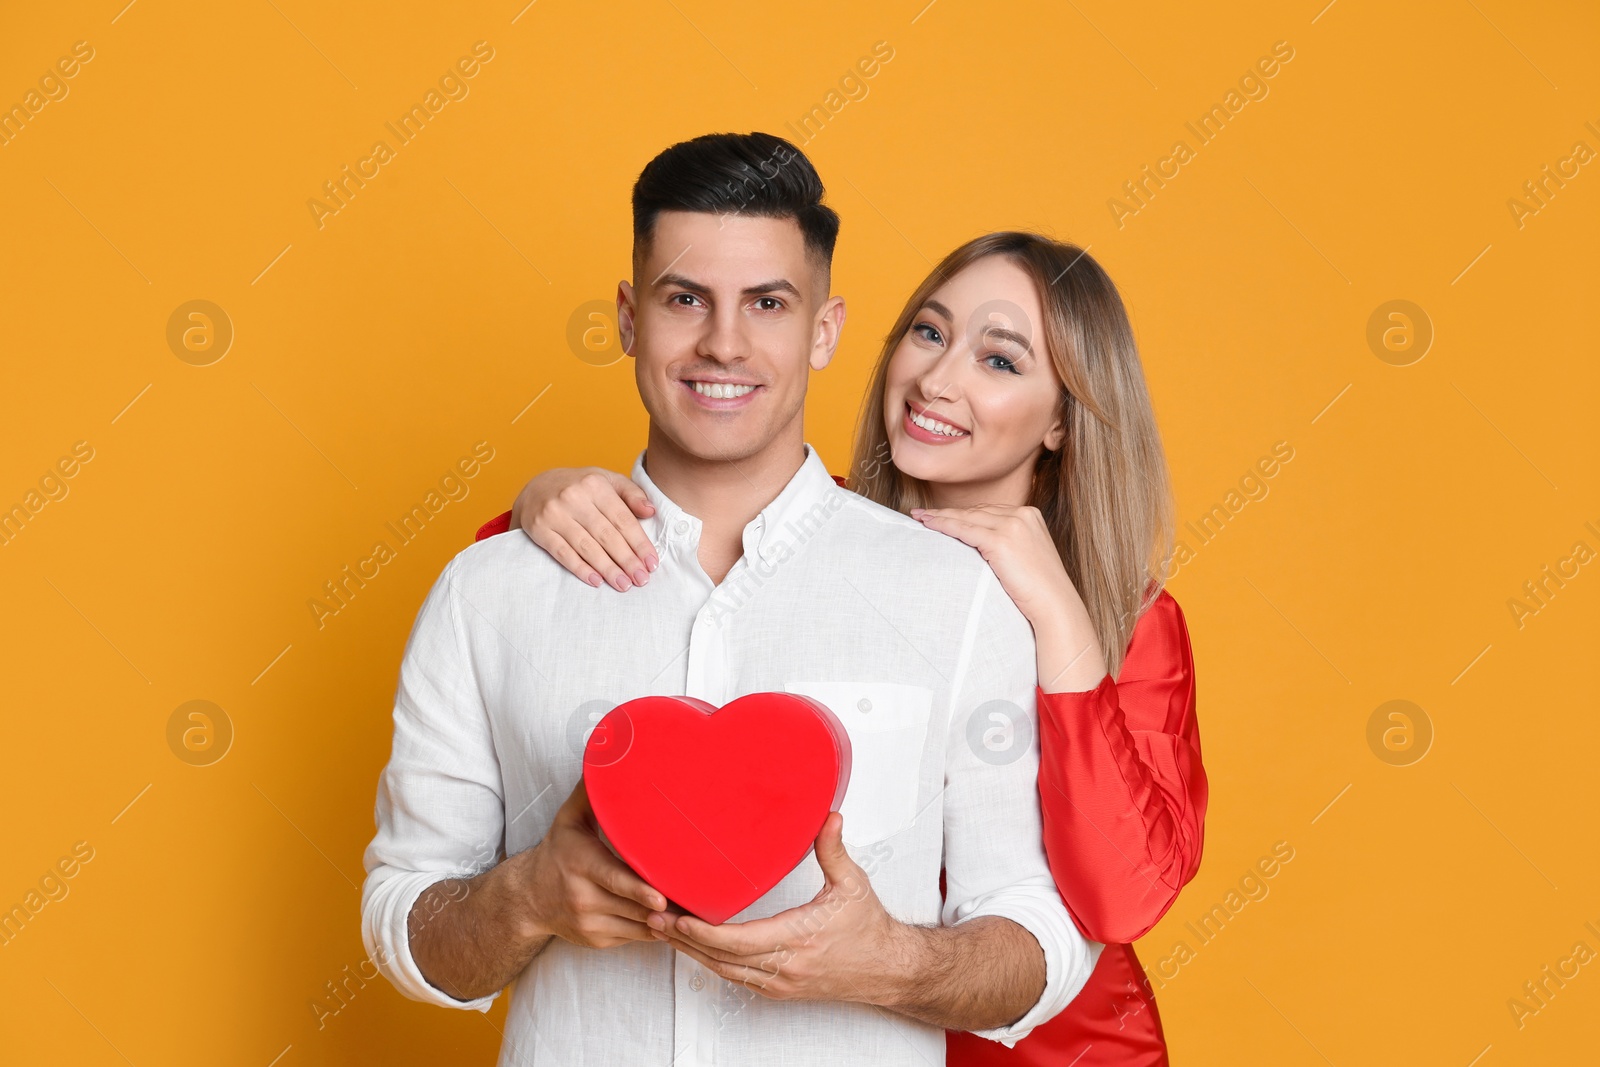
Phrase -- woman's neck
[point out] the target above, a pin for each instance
(1013, 488)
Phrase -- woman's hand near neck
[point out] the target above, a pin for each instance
(994, 518)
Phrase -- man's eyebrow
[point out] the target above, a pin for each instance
(776, 285)
(679, 281)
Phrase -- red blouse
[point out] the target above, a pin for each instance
(1123, 795)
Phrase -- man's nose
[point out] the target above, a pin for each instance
(724, 338)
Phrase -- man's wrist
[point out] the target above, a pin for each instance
(908, 954)
(513, 898)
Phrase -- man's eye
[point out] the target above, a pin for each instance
(684, 299)
(768, 303)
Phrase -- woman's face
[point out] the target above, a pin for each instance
(971, 395)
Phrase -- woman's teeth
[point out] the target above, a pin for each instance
(935, 426)
(719, 391)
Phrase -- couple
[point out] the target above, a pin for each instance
(972, 874)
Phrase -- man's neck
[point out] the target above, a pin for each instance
(725, 495)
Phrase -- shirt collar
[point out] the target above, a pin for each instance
(791, 517)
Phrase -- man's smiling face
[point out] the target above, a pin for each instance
(727, 316)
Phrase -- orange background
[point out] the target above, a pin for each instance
(428, 313)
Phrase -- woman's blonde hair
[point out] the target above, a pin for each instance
(1105, 493)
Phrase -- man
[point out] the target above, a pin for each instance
(770, 578)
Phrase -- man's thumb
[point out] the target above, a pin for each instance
(836, 864)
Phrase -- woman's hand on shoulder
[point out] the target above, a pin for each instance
(587, 518)
(1016, 543)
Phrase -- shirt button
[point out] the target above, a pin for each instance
(863, 704)
(682, 526)
(697, 983)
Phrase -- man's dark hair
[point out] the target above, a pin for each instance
(735, 174)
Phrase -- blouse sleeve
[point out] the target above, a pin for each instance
(1121, 784)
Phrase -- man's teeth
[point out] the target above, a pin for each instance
(719, 391)
(935, 426)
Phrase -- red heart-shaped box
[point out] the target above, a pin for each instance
(713, 806)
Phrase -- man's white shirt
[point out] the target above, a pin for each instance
(904, 633)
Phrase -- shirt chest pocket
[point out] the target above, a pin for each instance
(888, 727)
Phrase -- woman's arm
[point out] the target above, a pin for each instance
(1120, 779)
(588, 519)
(1122, 786)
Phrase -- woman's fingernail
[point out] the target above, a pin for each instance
(594, 580)
(620, 582)
(640, 577)
(917, 511)
(651, 562)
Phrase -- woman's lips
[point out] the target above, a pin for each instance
(926, 436)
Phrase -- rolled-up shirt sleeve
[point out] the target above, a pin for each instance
(994, 859)
(440, 810)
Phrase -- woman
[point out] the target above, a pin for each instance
(1008, 409)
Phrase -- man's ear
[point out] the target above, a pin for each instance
(830, 324)
(625, 311)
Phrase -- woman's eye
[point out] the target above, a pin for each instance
(1004, 363)
(927, 333)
